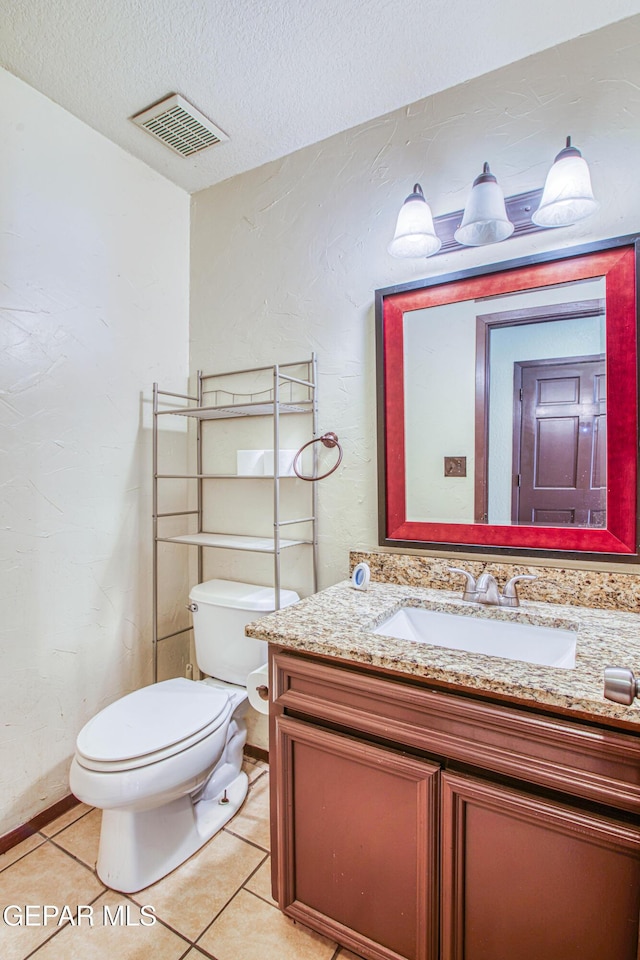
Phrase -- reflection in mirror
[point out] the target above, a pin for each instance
(514, 384)
(507, 406)
(547, 414)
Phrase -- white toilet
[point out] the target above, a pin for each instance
(164, 763)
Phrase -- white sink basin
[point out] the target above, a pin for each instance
(550, 646)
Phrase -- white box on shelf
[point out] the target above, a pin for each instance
(250, 463)
(286, 458)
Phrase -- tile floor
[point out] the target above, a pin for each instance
(216, 905)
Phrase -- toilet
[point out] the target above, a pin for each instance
(164, 763)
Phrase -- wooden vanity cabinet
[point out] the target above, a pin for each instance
(413, 823)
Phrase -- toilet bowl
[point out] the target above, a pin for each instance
(164, 763)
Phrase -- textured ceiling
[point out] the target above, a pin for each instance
(275, 75)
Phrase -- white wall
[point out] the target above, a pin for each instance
(93, 309)
(439, 396)
(286, 258)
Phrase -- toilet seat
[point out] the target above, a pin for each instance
(152, 724)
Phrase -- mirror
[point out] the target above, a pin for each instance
(507, 406)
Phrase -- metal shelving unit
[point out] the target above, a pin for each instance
(271, 402)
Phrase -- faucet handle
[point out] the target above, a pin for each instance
(470, 587)
(510, 592)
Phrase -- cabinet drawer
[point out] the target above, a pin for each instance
(575, 758)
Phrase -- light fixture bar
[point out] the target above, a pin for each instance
(519, 209)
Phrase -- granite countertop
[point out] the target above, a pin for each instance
(338, 622)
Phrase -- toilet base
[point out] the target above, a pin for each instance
(138, 848)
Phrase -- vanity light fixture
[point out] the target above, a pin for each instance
(485, 217)
(489, 218)
(415, 235)
(567, 196)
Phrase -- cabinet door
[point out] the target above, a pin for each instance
(357, 842)
(532, 879)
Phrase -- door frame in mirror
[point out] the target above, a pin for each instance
(616, 260)
(486, 324)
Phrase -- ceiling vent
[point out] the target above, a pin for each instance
(178, 124)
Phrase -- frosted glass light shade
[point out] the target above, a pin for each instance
(485, 216)
(567, 196)
(415, 235)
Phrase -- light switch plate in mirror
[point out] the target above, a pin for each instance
(455, 466)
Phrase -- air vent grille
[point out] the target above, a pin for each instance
(179, 125)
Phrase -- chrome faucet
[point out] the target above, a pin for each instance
(485, 589)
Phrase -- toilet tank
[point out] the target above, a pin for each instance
(221, 609)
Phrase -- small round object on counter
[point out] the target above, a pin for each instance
(361, 576)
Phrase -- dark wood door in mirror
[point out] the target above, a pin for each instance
(449, 352)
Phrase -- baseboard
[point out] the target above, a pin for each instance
(32, 826)
(256, 753)
(14, 837)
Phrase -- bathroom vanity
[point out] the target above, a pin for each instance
(437, 804)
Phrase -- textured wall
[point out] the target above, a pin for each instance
(285, 258)
(93, 309)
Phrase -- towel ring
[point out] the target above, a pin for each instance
(329, 440)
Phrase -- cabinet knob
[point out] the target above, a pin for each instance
(620, 685)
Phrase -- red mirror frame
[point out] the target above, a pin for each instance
(614, 259)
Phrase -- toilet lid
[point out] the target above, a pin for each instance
(152, 719)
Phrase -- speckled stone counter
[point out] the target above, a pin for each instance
(338, 622)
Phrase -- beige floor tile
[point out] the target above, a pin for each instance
(253, 768)
(46, 876)
(250, 929)
(347, 955)
(195, 954)
(260, 882)
(63, 821)
(252, 821)
(6, 859)
(82, 838)
(190, 897)
(126, 939)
